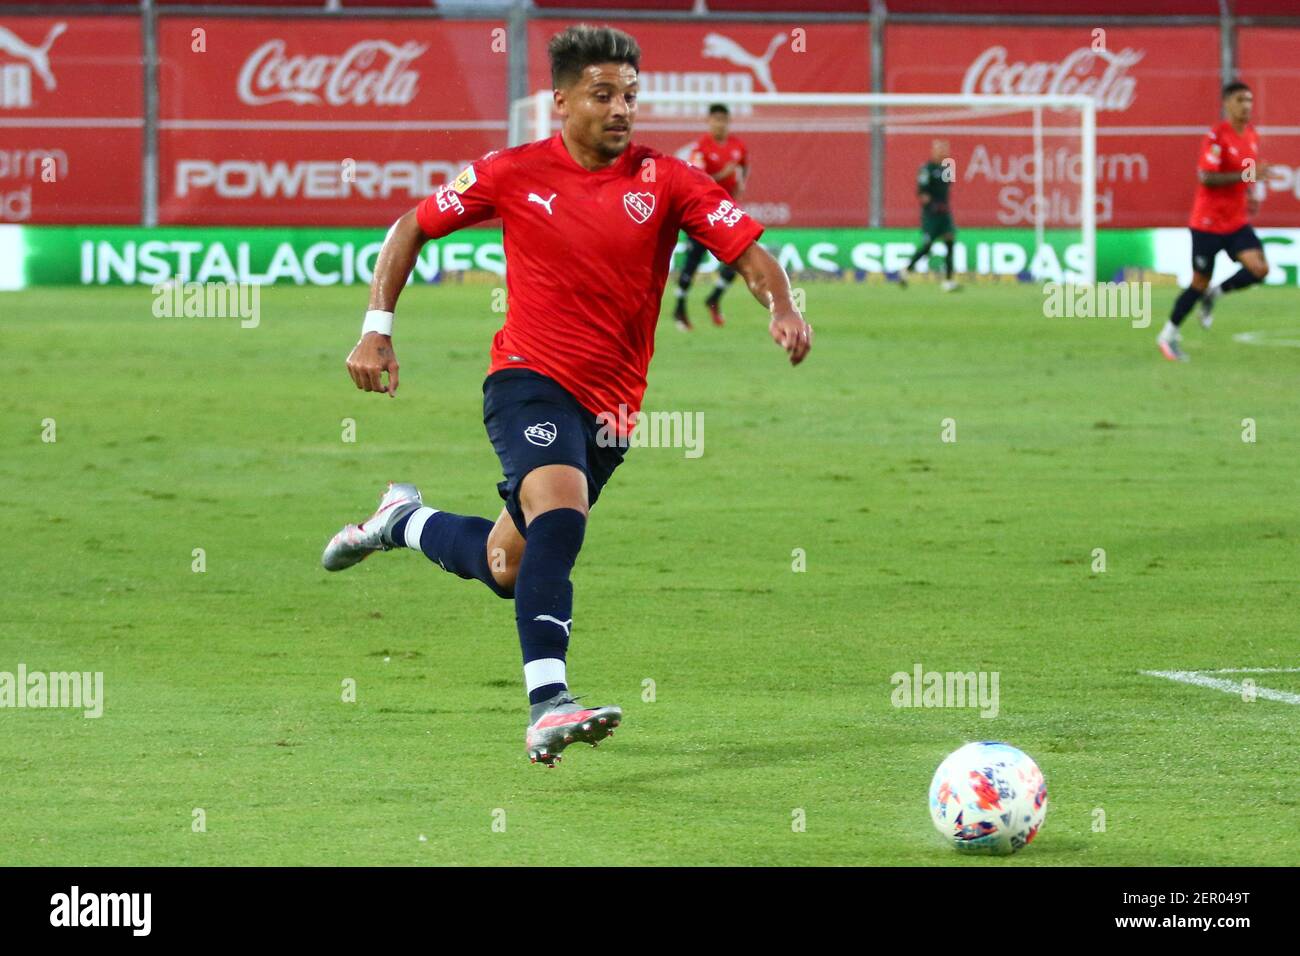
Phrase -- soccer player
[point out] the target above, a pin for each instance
(1220, 221)
(726, 160)
(590, 222)
(936, 215)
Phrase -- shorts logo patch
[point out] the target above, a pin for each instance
(541, 434)
(639, 205)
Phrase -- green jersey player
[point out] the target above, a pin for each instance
(932, 184)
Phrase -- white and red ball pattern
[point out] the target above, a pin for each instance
(988, 797)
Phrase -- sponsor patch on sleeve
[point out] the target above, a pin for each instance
(448, 200)
(463, 181)
(727, 213)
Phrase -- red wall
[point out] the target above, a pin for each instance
(249, 140)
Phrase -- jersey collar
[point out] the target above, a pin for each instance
(613, 169)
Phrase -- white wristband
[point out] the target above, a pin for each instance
(378, 321)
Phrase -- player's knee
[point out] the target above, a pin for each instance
(1258, 268)
(552, 487)
(1200, 281)
(577, 505)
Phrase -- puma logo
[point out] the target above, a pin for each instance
(533, 197)
(555, 620)
(720, 47)
(37, 56)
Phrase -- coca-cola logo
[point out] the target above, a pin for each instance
(1099, 74)
(371, 72)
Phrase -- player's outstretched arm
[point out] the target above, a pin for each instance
(771, 287)
(1208, 178)
(374, 354)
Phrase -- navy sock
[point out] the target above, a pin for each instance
(1241, 280)
(1183, 304)
(920, 253)
(947, 260)
(544, 599)
(399, 530)
(458, 543)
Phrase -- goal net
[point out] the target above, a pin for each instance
(1023, 169)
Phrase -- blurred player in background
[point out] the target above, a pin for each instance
(1227, 168)
(726, 160)
(588, 244)
(936, 215)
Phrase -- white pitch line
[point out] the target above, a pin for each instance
(1260, 338)
(1198, 679)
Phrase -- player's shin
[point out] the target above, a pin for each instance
(920, 254)
(1183, 304)
(456, 543)
(1243, 279)
(544, 599)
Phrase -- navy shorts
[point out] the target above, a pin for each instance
(1207, 245)
(532, 421)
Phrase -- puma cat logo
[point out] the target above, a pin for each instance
(533, 197)
(555, 620)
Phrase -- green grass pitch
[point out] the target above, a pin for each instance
(772, 693)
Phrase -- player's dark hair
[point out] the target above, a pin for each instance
(719, 108)
(583, 45)
(1236, 86)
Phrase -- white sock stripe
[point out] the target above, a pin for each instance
(543, 671)
(415, 526)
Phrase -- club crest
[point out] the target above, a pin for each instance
(639, 206)
(542, 434)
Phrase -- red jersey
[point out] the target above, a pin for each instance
(587, 256)
(1222, 209)
(712, 156)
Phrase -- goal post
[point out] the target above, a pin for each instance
(819, 146)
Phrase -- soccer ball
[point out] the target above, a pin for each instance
(988, 798)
